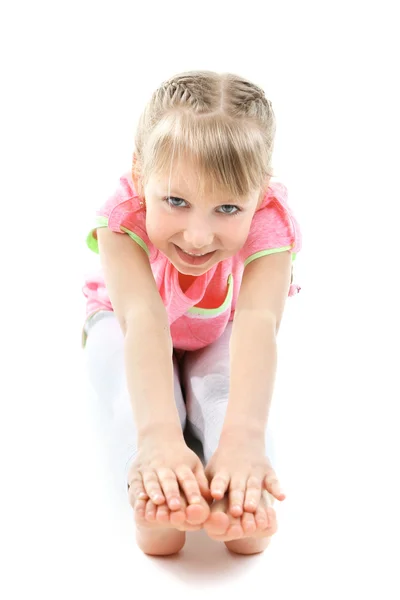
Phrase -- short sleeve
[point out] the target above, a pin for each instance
(274, 229)
(123, 212)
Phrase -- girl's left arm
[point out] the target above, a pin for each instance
(253, 350)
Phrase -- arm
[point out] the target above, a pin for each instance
(144, 322)
(239, 463)
(253, 351)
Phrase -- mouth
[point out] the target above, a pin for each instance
(193, 259)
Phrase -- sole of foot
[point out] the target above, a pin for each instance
(249, 534)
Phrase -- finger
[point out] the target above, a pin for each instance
(152, 486)
(271, 484)
(189, 484)
(203, 483)
(170, 487)
(136, 488)
(236, 495)
(253, 494)
(219, 485)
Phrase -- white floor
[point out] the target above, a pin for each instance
(76, 77)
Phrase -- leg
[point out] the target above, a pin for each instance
(106, 370)
(205, 377)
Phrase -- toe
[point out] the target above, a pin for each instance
(177, 518)
(261, 518)
(235, 532)
(163, 515)
(217, 524)
(139, 512)
(150, 514)
(197, 514)
(218, 521)
(273, 525)
(248, 524)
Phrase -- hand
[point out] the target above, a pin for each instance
(161, 466)
(241, 466)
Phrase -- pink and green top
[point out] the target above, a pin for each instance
(198, 316)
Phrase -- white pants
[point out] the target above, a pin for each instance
(201, 381)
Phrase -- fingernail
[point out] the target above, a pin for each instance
(143, 495)
(196, 500)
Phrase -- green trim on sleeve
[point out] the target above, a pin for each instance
(212, 312)
(265, 253)
(93, 244)
(137, 239)
(91, 241)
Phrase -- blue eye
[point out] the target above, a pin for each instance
(235, 210)
(226, 209)
(174, 202)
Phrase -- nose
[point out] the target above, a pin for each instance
(198, 235)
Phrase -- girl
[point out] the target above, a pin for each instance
(196, 249)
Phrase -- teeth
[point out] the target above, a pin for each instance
(192, 254)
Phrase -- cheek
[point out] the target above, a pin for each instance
(235, 233)
(159, 226)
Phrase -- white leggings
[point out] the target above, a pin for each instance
(201, 381)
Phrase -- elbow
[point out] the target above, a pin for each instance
(142, 321)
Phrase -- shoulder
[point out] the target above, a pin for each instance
(274, 226)
(124, 212)
(123, 199)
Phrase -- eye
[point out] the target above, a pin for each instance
(174, 202)
(230, 209)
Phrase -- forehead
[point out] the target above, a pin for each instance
(186, 179)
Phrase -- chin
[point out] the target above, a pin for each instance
(193, 271)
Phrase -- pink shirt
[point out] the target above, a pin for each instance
(198, 316)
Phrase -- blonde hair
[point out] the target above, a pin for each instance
(223, 123)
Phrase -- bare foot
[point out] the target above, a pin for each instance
(248, 534)
(161, 531)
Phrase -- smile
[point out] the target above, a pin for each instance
(191, 258)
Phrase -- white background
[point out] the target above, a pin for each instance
(75, 77)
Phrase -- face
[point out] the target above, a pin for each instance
(195, 231)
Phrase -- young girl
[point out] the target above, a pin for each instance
(196, 249)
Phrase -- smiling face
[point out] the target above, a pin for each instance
(194, 229)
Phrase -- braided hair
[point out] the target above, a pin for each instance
(223, 122)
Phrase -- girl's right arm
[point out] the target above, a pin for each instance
(163, 458)
(148, 345)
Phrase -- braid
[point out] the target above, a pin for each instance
(223, 119)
